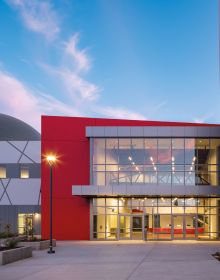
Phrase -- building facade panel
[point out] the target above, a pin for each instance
(131, 179)
(19, 176)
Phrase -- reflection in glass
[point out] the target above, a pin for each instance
(156, 161)
(164, 151)
(177, 151)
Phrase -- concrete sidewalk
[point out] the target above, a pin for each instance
(189, 260)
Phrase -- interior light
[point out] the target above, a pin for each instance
(173, 158)
(173, 168)
(132, 163)
(155, 168)
(194, 158)
(151, 159)
(130, 158)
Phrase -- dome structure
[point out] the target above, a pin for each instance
(15, 129)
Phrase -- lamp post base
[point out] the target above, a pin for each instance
(51, 251)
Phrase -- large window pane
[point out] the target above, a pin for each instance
(202, 149)
(124, 152)
(177, 151)
(99, 178)
(99, 151)
(150, 151)
(191, 161)
(112, 151)
(214, 151)
(137, 177)
(111, 178)
(190, 151)
(111, 226)
(164, 178)
(164, 151)
(177, 178)
(124, 177)
(137, 150)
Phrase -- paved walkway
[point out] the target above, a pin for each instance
(119, 260)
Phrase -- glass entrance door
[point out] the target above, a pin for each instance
(137, 227)
(178, 226)
(190, 227)
(184, 226)
(124, 227)
(130, 227)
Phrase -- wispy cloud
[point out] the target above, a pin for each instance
(83, 93)
(78, 89)
(79, 57)
(20, 101)
(117, 113)
(38, 16)
(71, 73)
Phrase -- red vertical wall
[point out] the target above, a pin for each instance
(65, 136)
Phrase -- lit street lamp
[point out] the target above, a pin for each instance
(51, 159)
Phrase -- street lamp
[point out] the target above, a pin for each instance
(51, 159)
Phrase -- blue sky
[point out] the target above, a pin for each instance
(135, 59)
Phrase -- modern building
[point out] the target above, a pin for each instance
(19, 176)
(122, 179)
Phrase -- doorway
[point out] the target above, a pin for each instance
(184, 227)
(130, 227)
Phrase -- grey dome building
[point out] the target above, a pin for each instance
(20, 146)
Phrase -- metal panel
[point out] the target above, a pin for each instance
(141, 189)
(89, 131)
(190, 131)
(77, 190)
(153, 131)
(203, 131)
(98, 131)
(124, 131)
(137, 131)
(164, 131)
(106, 190)
(214, 131)
(177, 131)
(111, 131)
(150, 131)
(119, 189)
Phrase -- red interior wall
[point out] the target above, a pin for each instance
(65, 136)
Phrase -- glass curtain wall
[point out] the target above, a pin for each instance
(177, 161)
(158, 218)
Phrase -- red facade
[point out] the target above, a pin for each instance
(65, 137)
